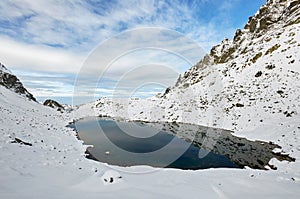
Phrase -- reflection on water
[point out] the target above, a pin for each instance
(173, 145)
(242, 152)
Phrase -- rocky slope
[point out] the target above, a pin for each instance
(10, 81)
(258, 72)
(241, 84)
(41, 158)
(53, 104)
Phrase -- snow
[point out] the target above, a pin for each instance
(213, 100)
(39, 174)
(4, 69)
(111, 177)
(55, 165)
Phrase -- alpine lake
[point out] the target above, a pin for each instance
(171, 145)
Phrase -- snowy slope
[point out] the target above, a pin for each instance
(54, 166)
(242, 84)
(214, 92)
(250, 85)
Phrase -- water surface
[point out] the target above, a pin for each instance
(170, 145)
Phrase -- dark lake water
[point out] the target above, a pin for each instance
(170, 145)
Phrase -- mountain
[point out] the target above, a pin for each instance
(10, 81)
(241, 84)
(53, 104)
(251, 78)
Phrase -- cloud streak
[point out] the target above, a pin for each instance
(37, 57)
(82, 24)
(50, 36)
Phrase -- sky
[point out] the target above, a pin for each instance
(96, 48)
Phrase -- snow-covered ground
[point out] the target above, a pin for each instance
(55, 167)
(256, 83)
(254, 91)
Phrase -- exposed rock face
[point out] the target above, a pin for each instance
(54, 104)
(235, 85)
(261, 58)
(271, 16)
(274, 12)
(10, 81)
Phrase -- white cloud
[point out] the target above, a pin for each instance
(33, 57)
(73, 28)
(74, 25)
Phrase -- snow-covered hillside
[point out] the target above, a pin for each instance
(41, 158)
(250, 85)
(240, 85)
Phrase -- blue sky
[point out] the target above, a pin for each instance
(46, 42)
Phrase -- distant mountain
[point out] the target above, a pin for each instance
(54, 104)
(240, 84)
(10, 81)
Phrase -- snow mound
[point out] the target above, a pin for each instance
(111, 177)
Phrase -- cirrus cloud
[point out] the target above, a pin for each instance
(50, 36)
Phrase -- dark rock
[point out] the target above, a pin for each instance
(256, 57)
(17, 140)
(272, 49)
(258, 74)
(270, 66)
(167, 91)
(253, 24)
(53, 104)
(280, 92)
(237, 35)
(288, 115)
(239, 105)
(11, 82)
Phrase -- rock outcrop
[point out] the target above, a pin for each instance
(240, 84)
(10, 81)
(53, 104)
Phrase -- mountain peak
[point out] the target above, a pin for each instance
(274, 12)
(10, 81)
(252, 70)
(4, 69)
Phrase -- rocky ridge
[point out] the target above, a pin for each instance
(241, 84)
(54, 104)
(10, 81)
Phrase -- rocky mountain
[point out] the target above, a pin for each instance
(241, 84)
(10, 81)
(53, 104)
(257, 72)
(252, 81)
